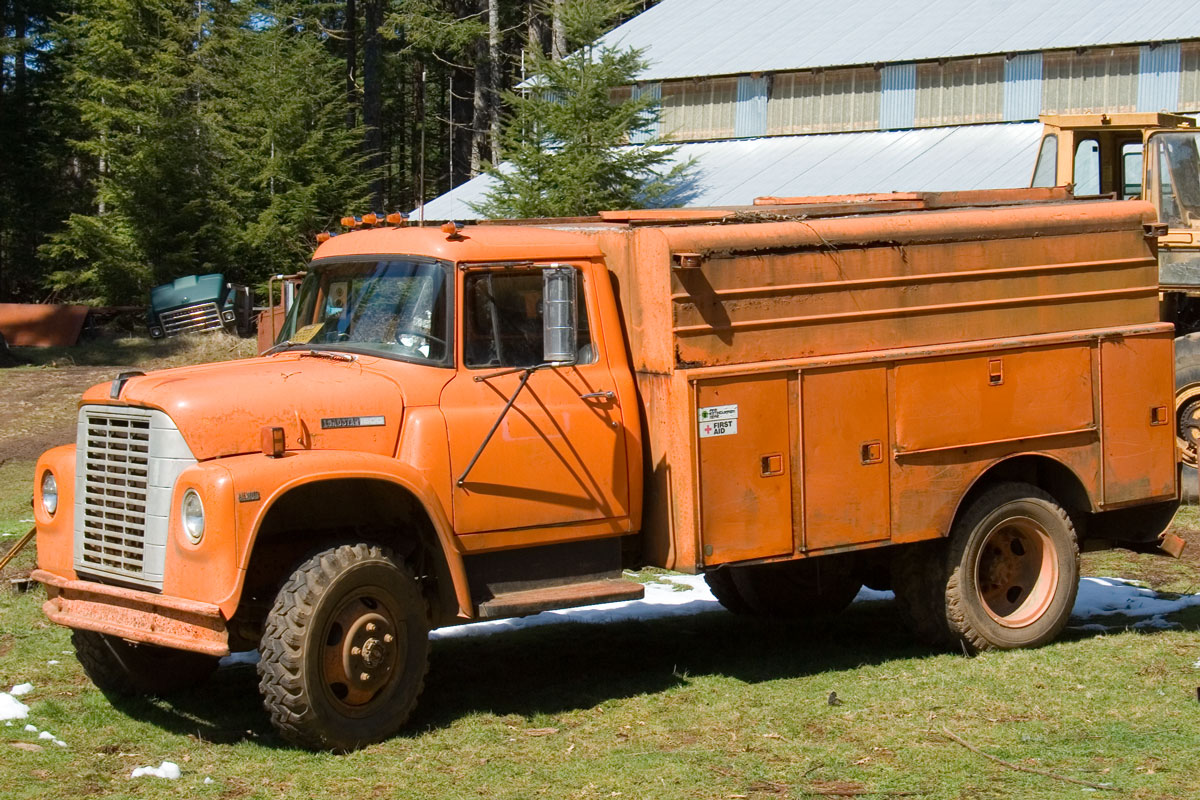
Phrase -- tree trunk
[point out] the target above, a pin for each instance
(373, 98)
(480, 124)
(558, 38)
(351, 63)
(493, 99)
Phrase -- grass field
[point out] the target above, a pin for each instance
(704, 706)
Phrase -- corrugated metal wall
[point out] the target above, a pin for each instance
(1023, 86)
(647, 90)
(898, 99)
(750, 118)
(699, 109)
(970, 90)
(1158, 77)
(1103, 80)
(932, 94)
(824, 102)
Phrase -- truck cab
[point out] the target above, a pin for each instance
(1152, 156)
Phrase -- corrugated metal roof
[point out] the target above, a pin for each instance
(696, 38)
(734, 172)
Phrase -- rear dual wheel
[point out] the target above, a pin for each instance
(793, 589)
(1007, 578)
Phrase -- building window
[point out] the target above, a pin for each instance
(699, 109)
(1098, 80)
(824, 102)
(960, 92)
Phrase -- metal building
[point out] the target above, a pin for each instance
(775, 71)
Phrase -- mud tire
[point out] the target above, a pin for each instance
(720, 583)
(123, 668)
(918, 581)
(308, 665)
(1187, 380)
(1012, 570)
(803, 589)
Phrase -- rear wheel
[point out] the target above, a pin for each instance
(1012, 570)
(1187, 411)
(720, 583)
(345, 649)
(798, 589)
(126, 668)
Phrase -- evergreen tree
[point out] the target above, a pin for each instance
(566, 142)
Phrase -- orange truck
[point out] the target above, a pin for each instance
(947, 394)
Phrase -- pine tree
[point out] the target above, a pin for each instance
(566, 145)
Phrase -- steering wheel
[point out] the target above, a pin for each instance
(427, 338)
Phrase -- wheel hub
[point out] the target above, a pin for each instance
(363, 648)
(1188, 430)
(1016, 574)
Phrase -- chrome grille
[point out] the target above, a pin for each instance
(116, 466)
(127, 461)
(191, 319)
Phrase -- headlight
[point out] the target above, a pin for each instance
(49, 492)
(192, 512)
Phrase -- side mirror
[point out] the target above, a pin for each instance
(559, 315)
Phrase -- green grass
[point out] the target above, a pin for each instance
(708, 706)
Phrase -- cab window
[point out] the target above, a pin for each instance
(1087, 168)
(503, 320)
(1131, 170)
(1045, 174)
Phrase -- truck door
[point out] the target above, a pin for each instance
(558, 457)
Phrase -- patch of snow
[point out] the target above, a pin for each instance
(31, 729)
(168, 770)
(866, 595)
(45, 735)
(20, 689)
(60, 743)
(1104, 596)
(208, 780)
(12, 708)
(242, 657)
(52, 663)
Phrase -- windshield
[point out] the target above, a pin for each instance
(396, 308)
(1174, 178)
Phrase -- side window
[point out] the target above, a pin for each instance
(1087, 168)
(1131, 170)
(503, 320)
(1045, 174)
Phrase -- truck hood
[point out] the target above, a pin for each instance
(321, 403)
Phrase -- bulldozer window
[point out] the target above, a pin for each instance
(1087, 168)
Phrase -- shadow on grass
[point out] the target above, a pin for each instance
(558, 668)
(572, 666)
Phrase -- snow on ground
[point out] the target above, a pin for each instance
(168, 770)
(684, 595)
(12, 708)
(20, 689)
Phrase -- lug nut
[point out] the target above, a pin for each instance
(355, 651)
(364, 676)
(370, 626)
(387, 637)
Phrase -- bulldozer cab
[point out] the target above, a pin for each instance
(1153, 156)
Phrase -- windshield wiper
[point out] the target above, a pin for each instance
(284, 345)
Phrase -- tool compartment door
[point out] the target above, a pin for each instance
(847, 456)
(1139, 417)
(744, 444)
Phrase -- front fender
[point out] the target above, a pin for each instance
(259, 482)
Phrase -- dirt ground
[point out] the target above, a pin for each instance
(37, 406)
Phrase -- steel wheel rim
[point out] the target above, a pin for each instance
(1016, 573)
(363, 647)
(1187, 423)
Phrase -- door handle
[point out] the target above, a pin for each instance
(608, 395)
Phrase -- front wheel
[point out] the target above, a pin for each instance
(345, 649)
(121, 667)
(1012, 570)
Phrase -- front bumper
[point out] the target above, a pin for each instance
(135, 615)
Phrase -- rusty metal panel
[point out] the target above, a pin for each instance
(846, 449)
(1137, 396)
(838, 296)
(989, 397)
(744, 442)
(41, 325)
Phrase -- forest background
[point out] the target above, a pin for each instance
(143, 140)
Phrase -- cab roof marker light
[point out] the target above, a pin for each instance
(323, 237)
(397, 218)
(453, 231)
(370, 219)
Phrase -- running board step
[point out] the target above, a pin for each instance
(572, 595)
